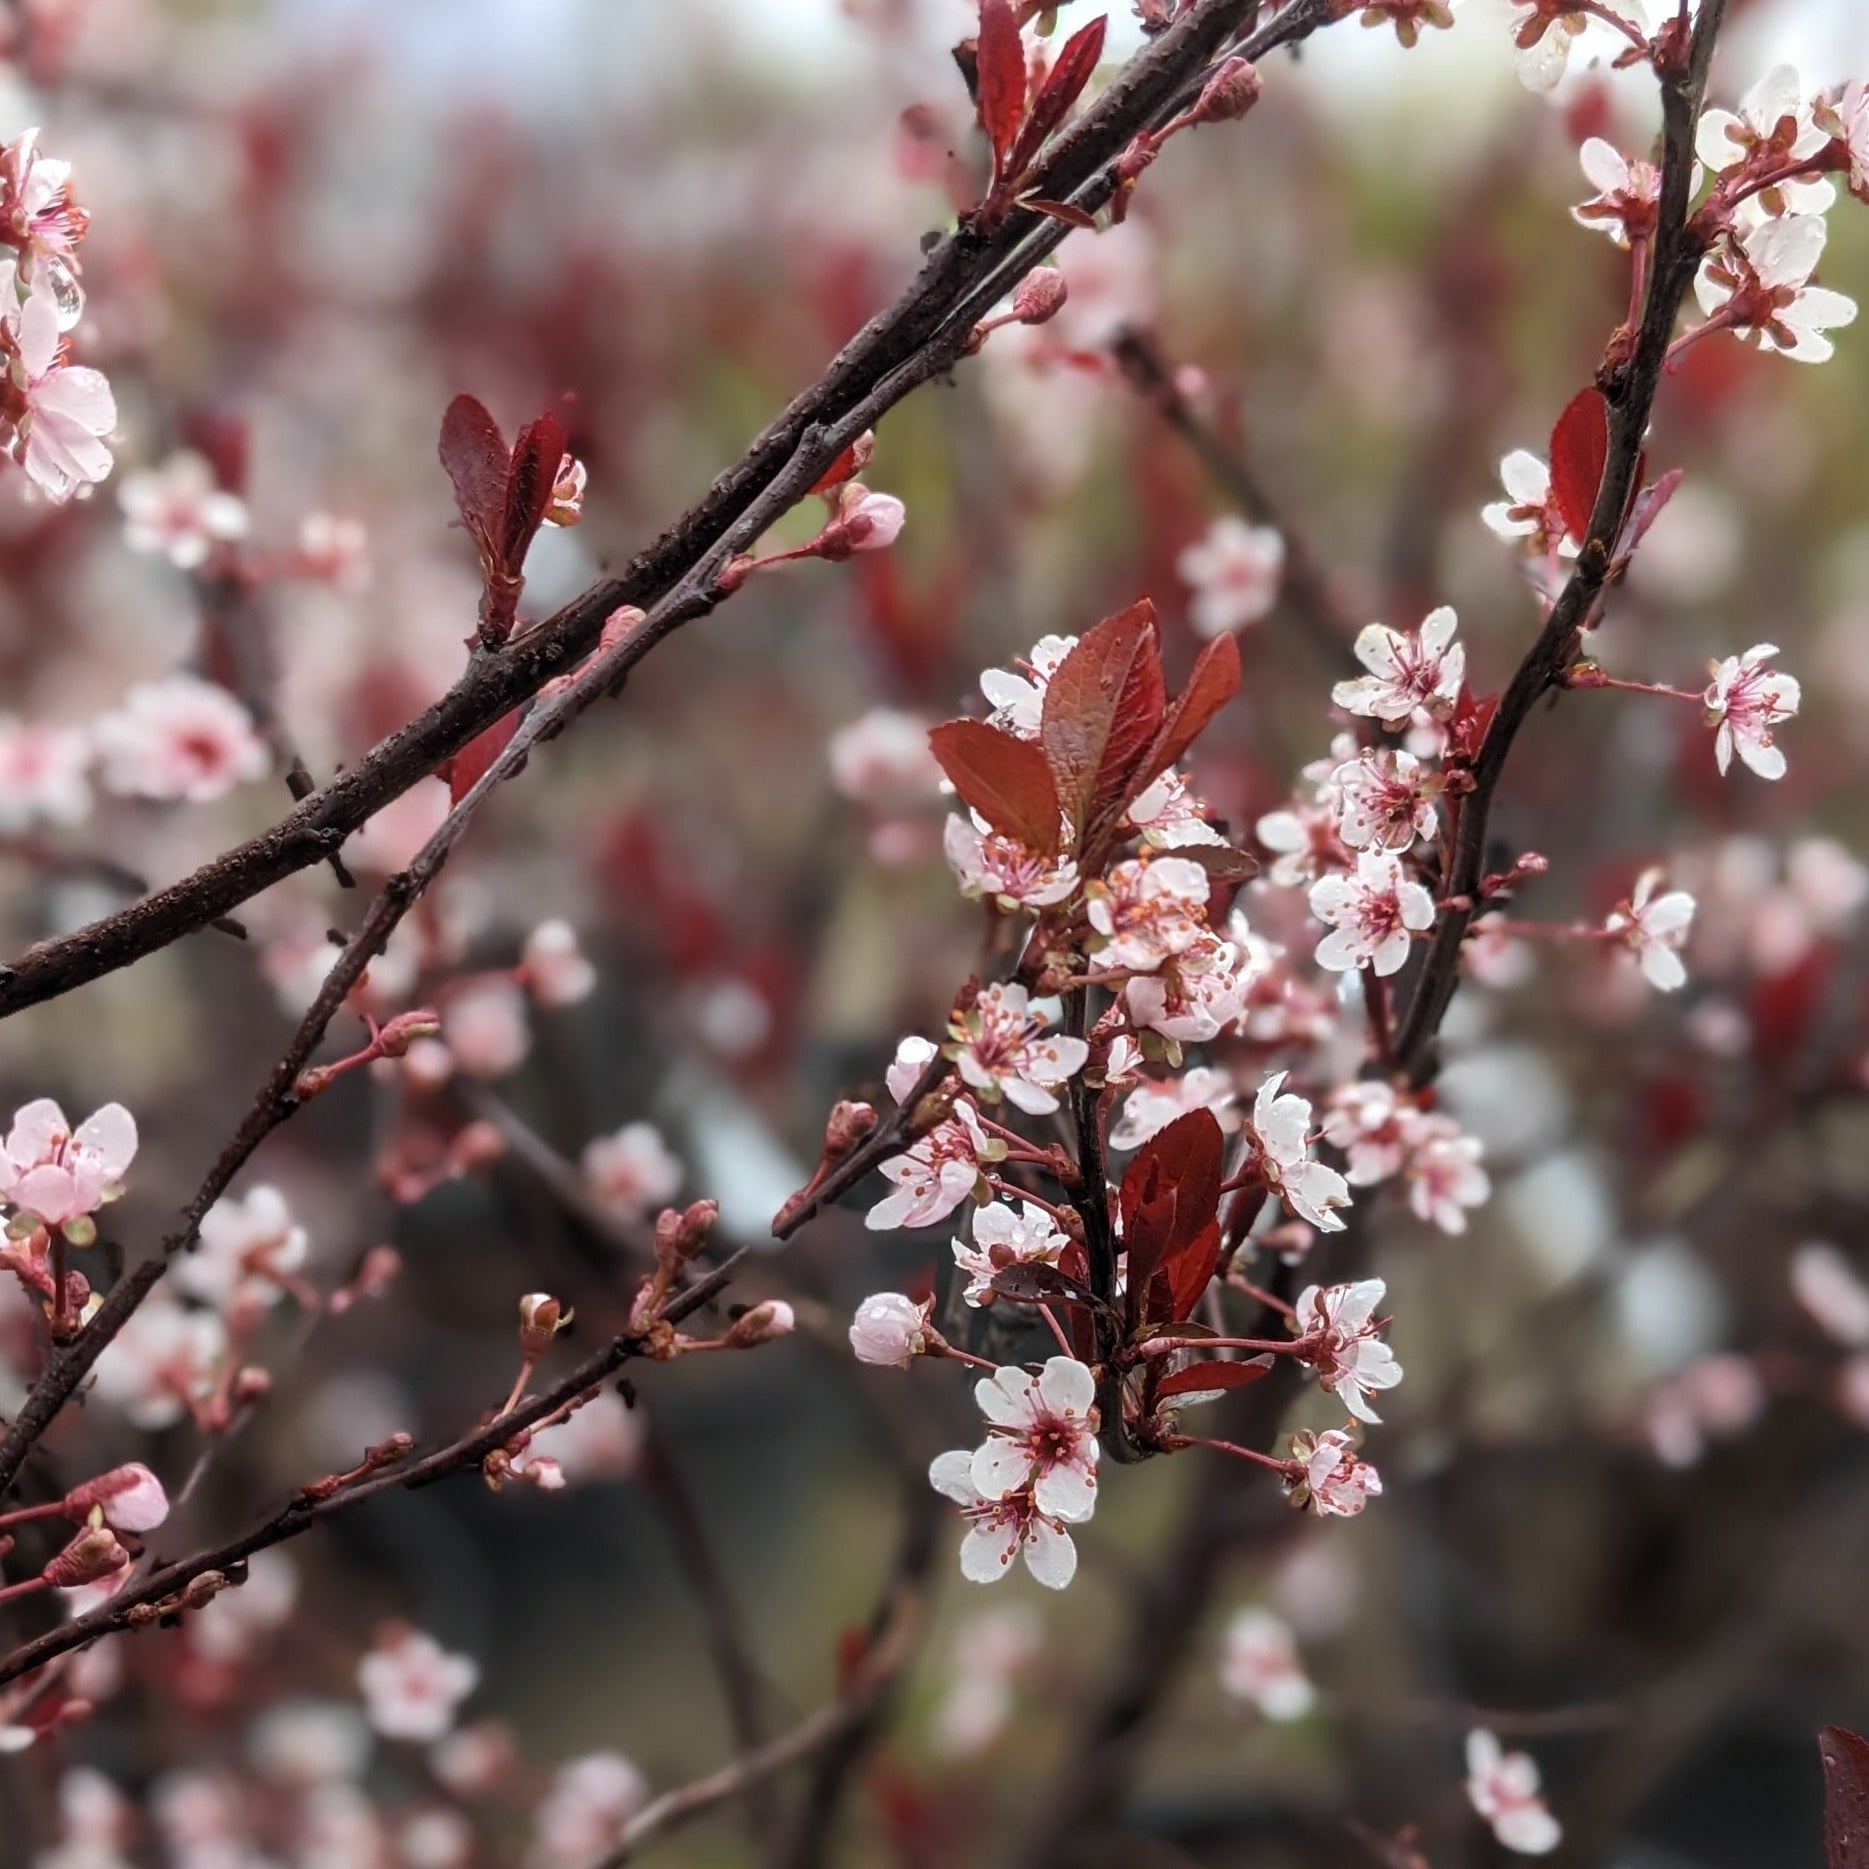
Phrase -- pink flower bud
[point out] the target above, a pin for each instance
(92, 1555)
(889, 1330)
(761, 1324)
(402, 1031)
(1231, 92)
(865, 522)
(541, 1318)
(130, 1497)
(846, 1126)
(1040, 296)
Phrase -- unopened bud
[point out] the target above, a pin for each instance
(733, 574)
(761, 1324)
(1231, 92)
(1040, 296)
(846, 1126)
(93, 1554)
(541, 1318)
(130, 1497)
(1586, 674)
(401, 1032)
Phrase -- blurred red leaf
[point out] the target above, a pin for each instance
(1846, 1798)
(1197, 1377)
(464, 771)
(1003, 778)
(529, 480)
(1169, 1199)
(1063, 85)
(1065, 211)
(1579, 450)
(474, 455)
(1214, 682)
(1103, 709)
(1000, 68)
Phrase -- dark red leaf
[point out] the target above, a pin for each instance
(1063, 85)
(1189, 1270)
(475, 457)
(1214, 682)
(1197, 1377)
(1033, 1283)
(1645, 509)
(1579, 450)
(1003, 778)
(537, 455)
(1846, 1798)
(466, 768)
(1103, 709)
(1000, 68)
(1067, 212)
(1168, 1200)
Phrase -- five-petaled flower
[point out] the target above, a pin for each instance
(1372, 912)
(1280, 1129)
(59, 1175)
(1328, 1477)
(60, 412)
(1002, 1528)
(177, 510)
(1384, 801)
(1758, 283)
(183, 739)
(1745, 700)
(1529, 512)
(1005, 1236)
(1019, 699)
(992, 866)
(1340, 1328)
(1146, 912)
(1503, 1788)
(1259, 1666)
(1410, 671)
(1627, 201)
(411, 1685)
(1773, 131)
(1655, 928)
(1041, 1434)
(1234, 572)
(936, 1173)
(1000, 1051)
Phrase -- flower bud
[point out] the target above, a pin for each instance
(1231, 92)
(395, 1038)
(92, 1555)
(761, 1324)
(1040, 296)
(890, 1330)
(541, 1318)
(864, 522)
(846, 1126)
(130, 1497)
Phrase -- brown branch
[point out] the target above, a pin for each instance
(965, 275)
(1630, 391)
(136, 1605)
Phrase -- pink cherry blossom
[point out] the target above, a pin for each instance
(863, 521)
(130, 1497)
(1410, 671)
(555, 966)
(1003, 1528)
(485, 1027)
(58, 1174)
(1260, 1668)
(60, 412)
(1234, 572)
(1334, 1483)
(182, 738)
(883, 760)
(1774, 126)
(176, 509)
(1628, 192)
(1384, 801)
(39, 219)
(1545, 31)
(1349, 1356)
(1304, 840)
(42, 775)
(247, 1250)
(1758, 283)
(1000, 1051)
(1169, 816)
(889, 1330)
(1503, 1788)
(632, 1172)
(1196, 995)
(1147, 910)
(1372, 912)
(585, 1809)
(412, 1686)
(1832, 1292)
(1744, 702)
(1655, 928)
(1529, 511)
(993, 866)
(1042, 1434)
(1280, 1131)
(1443, 1173)
(1018, 699)
(1004, 1236)
(1370, 1124)
(163, 1363)
(936, 1174)
(1153, 1105)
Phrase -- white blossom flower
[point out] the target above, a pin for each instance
(1409, 670)
(585, 1809)
(412, 1686)
(1000, 1529)
(1000, 1051)
(1545, 33)
(1259, 1666)
(1146, 911)
(1529, 511)
(1154, 1104)
(1443, 1173)
(1169, 816)
(632, 1172)
(66, 410)
(1234, 572)
(1349, 1356)
(59, 1174)
(1019, 699)
(1655, 929)
(555, 966)
(1006, 1236)
(1042, 1435)
(1503, 1788)
(1196, 995)
(179, 739)
(1628, 192)
(1744, 702)
(883, 759)
(1759, 284)
(164, 1360)
(1334, 1482)
(247, 1248)
(935, 1174)
(1372, 912)
(1384, 801)
(42, 775)
(991, 865)
(176, 509)
(1280, 1128)
(1775, 124)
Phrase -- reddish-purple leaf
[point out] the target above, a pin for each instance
(475, 457)
(1645, 509)
(1034, 1283)
(465, 770)
(1103, 708)
(1197, 1378)
(1579, 451)
(1000, 68)
(1168, 1200)
(529, 480)
(1846, 1798)
(1003, 778)
(1067, 212)
(1214, 682)
(1063, 85)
